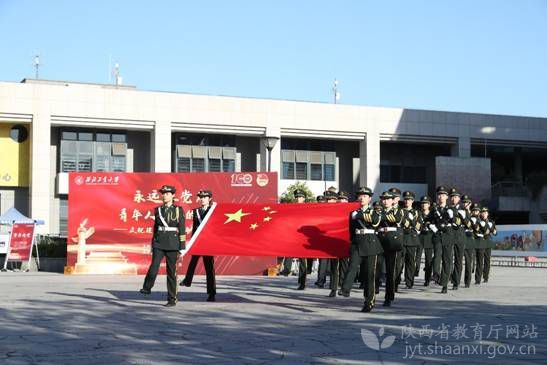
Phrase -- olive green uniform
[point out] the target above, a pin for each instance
(168, 239)
(364, 248)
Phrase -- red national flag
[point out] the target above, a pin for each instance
(283, 230)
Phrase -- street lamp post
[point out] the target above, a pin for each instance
(269, 143)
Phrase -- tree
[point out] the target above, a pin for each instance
(288, 195)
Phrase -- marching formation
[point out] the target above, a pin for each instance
(388, 240)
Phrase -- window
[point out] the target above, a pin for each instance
(63, 215)
(87, 151)
(316, 171)
(196, 158)
(308, 165)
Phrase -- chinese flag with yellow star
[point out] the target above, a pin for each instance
(281, 230)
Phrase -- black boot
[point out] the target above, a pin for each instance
(444, 290)
(145, 291)
(332, 294)
(454, 287)
(211, 298)
(170, 304)
(387, 303)
(343, 293)
(426, 283)
(367, 308)
(301, 287)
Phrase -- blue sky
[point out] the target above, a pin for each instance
(475, 56)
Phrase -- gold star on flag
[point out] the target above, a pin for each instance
(266, 209)
(253, 226)
(267, 219)
(272, 211)
(235, 216)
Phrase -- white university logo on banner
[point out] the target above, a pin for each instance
(373, 341)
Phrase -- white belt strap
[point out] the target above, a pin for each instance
(388, 229)
(165, 229)
(165, 226)
(365, 231)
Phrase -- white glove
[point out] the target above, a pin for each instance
(482, 224)
(433, 228)
(450, 213)
(410, 216)
(462, 213)
(490, 224)
(474, 220)
(353, 214)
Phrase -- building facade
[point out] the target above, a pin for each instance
(51, 128)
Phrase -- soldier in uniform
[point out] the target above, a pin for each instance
(320, 199)
(410, 227)
(199, 214)
(364, 247)
(326, 264)
(444, 239)
(389, 235)
(399, 262)
(300, 198)
(491, 231)
(480, 228)
(458, 231)
(428, 228)
(469, 253)
(168, 239)
(343, 197)
(303, 263)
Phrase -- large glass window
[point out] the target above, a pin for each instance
(88, 151)
(198, 158)
(308, 165)
(403, 174)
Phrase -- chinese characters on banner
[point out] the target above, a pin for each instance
(21, 240)
(111, 215)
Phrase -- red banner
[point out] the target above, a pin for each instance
(111, 216)
(289, 230)
(20, 245)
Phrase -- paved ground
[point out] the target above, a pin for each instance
(55, 319)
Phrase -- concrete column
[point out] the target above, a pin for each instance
(462, 148)
(40, 169)
(161, 147)
(369, 160)
(276, 152)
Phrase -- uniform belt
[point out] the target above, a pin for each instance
(480, 235)
(165, 229)
(388, 229)
(365, 231)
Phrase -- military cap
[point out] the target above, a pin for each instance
(454, 192)
(425, 199)
(442, 190)
(386, 195)
(476, 206)
(484, 209)
(204, 193)
(343, 195)
(332, 189)
(297, 193)
(395, 192)
(466, 198)
(329, 194)
(168, 189)
(364, 191)
(408, 195)
(320, 198)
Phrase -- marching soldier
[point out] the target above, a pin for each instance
(469, 253)
(428, 228)
(443, 240)
(364, 247)
(411, 227)
(324, 264)
(299, 197)
(400, 259)
(168, 239)
(491, 231)
(389, 235)
(199, 214)
(480, 228)
(458, 232)
(303, 263)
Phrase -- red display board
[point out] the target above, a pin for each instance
(111, 215)
(20, 246)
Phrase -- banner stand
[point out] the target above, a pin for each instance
(10, 246)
